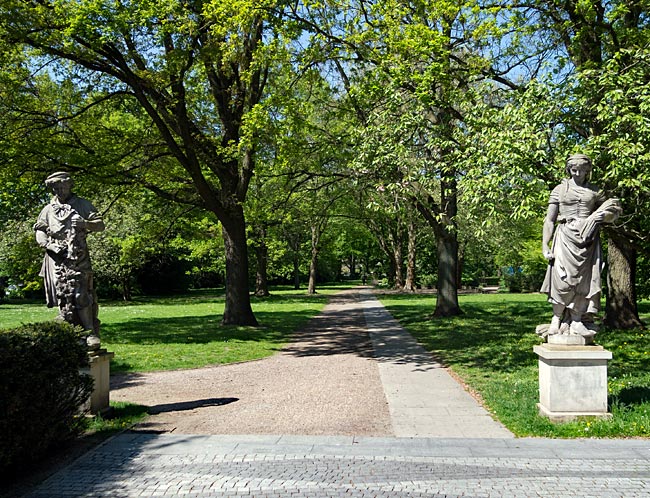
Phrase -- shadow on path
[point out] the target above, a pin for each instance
(392, 344)
(190, 405)
(339, 329)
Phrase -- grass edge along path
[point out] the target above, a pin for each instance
(177, 332)
(490, 348)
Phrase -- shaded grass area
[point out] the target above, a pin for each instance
(491, 348)
(162, 333)
(122, 416)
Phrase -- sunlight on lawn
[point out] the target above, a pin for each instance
(161, 333)
(490, 347)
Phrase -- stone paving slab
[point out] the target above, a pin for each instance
(423, 399)
(166, 465)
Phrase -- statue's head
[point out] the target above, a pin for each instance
(61, 184)
(581, 160)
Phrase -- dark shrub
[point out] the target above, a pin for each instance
(41, 389)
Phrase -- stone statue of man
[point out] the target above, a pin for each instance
(61, 230)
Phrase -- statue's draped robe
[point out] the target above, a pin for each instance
(573, 276)
(55, 222)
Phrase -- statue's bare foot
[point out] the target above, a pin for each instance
(578, 328)
(564, 328)
(93, 343)
(554, 328)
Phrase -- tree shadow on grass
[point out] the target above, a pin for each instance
(492, 334)
(297, 298)
(631, 396)
(203, 329)
(199, 296)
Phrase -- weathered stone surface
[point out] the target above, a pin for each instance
(61, 230)
(99, 369)
(572, 380)
(576, 211)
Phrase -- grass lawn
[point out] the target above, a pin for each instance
(491, 348)
(162, 333)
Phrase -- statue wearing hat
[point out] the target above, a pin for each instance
(61, 230)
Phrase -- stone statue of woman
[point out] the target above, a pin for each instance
(576, 210)
(61, 230)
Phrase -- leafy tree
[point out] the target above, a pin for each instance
(591, 100)
(20, 258)
(143, 231)
(606, 42)
(195, 72)
(414, 75)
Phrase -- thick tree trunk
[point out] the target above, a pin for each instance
(620, 308)
(447, 298)
(312, 273)
(238, 309)
(446, 245)
(409, 285)
(315, 239)
(262, 258)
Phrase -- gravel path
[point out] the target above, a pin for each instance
(325, 383)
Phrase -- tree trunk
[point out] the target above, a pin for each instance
(620, 308)
(315, 239)
(262, 258)
(409, 285)
(447, 297)
(126, 288)
(238, 309)
(296, 272)
(398, 259)
(446, 244)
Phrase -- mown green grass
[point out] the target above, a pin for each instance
(491, 348)
(163, 333)
(122, 416)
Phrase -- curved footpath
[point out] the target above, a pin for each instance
(353, 407)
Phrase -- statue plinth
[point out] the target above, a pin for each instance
(564, 337)
(99, 362)
(570, 340)
(572, 381)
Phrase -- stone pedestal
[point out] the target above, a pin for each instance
(99, 369)
(572, 381)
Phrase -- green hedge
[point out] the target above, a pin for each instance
(41, 389)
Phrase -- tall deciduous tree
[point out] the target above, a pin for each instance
(592, 100)
(419, 61)
(196, 69)
(600, 37)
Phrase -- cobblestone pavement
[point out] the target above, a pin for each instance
(167, 465)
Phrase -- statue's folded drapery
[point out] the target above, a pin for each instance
(573, 276)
